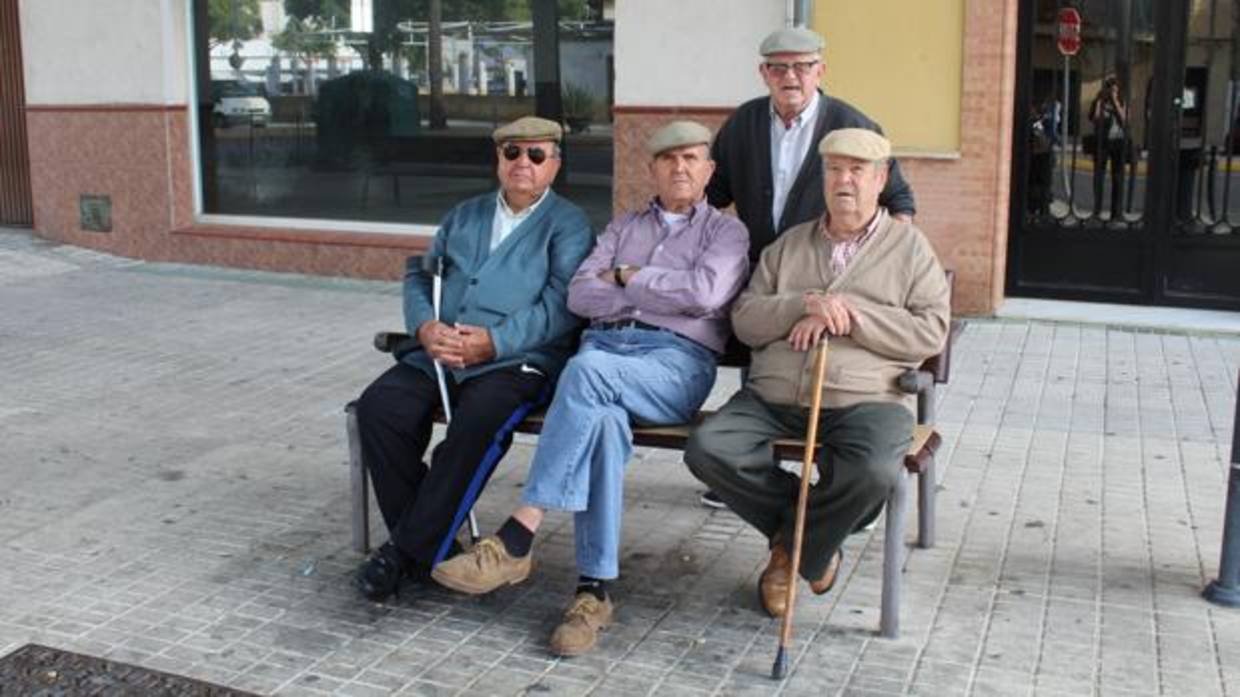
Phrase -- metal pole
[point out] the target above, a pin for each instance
(1226, 589)
(1063, 134)
(802, 12)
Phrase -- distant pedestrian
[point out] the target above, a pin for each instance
(1109, 115)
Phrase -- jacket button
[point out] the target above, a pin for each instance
(473, 281)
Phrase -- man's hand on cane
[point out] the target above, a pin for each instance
(839, 315)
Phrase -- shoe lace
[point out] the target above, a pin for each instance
(487, 552)
(584, 606)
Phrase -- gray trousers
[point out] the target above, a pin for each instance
(863, 446)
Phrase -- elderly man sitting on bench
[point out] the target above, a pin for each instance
(872, 282)
(657, 289)
(502, 334)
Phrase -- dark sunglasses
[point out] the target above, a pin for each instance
(536, 154)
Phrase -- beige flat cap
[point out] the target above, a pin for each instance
(860, 143)
(529, 128)
(678, 134)
(793, 40)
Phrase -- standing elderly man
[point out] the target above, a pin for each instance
(503, 333)
(764, 150)
(871, 282)
(656, 289)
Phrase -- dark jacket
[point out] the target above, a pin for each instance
(742, 155)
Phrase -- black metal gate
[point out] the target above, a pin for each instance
(1132, 192)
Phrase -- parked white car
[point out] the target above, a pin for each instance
(238, 103)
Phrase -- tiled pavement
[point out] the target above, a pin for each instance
(173, 493)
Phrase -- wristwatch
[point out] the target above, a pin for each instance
(619, 276)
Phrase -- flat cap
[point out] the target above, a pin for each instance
(860, 143)
(678, 134)
(529, 128)
(791, 40)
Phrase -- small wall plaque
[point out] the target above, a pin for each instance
(95, 212)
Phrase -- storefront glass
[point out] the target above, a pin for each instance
(324, 109)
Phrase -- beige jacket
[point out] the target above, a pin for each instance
(894, 283)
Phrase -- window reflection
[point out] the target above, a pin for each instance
(381, 110)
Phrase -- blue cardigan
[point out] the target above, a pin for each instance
(519, 291)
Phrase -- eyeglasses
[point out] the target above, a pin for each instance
(536, 154)
(801, 68)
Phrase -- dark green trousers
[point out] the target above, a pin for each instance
(861, 451)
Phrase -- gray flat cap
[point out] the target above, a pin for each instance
(794, 40)
(529, 128)
(678, 134)
(860, 143)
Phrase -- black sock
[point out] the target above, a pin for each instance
(516, 537)
(594, 586)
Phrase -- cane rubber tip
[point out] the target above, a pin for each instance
(780, 668)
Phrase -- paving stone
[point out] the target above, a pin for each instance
(177, 495)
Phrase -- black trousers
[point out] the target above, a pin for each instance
(1110, 152)
(423, 506)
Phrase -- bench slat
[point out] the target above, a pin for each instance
(925, 440)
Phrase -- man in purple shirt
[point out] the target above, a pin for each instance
(656, 289)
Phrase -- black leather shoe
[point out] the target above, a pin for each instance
(380, 577)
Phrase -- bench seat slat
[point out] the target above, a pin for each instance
(925, 440)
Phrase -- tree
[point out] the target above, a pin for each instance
(305, 40)
(326, 13)
(233, 20)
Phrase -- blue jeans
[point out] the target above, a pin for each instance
(619, 375)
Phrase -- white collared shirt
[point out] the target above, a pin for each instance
(505, 220)
(789, 146)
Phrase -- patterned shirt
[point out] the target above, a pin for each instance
(843, 252)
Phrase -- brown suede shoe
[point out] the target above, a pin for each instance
(584, 619)
(827, 582)
(482, 569)
(773, 584)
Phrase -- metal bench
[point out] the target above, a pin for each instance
(919, 461)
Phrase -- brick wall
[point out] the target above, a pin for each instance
(962, 201)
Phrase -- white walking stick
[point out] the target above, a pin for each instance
(436, 293)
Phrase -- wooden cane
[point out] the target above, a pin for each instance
(780, 668)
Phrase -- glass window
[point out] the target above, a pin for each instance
(382, 110)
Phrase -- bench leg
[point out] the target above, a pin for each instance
(359, 484)
(893, 558)
(927, 491)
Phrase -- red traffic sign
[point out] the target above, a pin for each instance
(1068, 39)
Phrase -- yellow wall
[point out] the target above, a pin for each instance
(899, 61)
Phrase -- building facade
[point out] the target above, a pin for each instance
(166, 130)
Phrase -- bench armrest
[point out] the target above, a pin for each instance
(393, 342)
(914, 381)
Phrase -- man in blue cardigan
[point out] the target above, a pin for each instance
(503, 335)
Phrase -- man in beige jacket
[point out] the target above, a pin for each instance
(872, 284)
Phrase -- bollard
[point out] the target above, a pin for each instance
(1226, 589)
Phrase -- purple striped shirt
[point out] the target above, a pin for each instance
(690, 272)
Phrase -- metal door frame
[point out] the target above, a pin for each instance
(1146, 252)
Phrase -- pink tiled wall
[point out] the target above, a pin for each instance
(139, 156)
